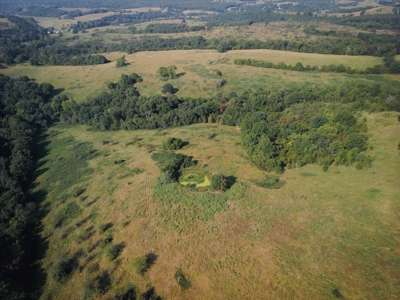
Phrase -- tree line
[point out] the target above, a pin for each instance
(25, 107)
(167, 28)
(391, 66)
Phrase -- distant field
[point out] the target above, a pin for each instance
(145, 9)
(53, 22)
(323, 235)
(94, 17)
(5, 24)
(198, 72)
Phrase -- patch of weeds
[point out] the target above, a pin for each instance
(106, 241)
(126, 292)
(93, 268)
(180, 278)
(66, 214)
(113, 251)
(270, 182)
(139, 265)
(307, 174)
(94, 213)
(77, 191)
(104, 227)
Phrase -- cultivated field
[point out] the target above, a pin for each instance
(323, 235)
(197, 72)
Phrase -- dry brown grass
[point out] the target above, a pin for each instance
(322, 231)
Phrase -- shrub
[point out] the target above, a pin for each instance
(126, 292)
(62, 268)
(218, 183)
(106, 241)
(139, 265)
(112, 252)
(102, 283)
(93, 268)
(169, 89)
(181, 280)
(172, 144)
(270, 182)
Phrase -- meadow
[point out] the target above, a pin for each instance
(197, 69)
(323, 235)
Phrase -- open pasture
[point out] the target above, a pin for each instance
(197, 69)
(323, 235)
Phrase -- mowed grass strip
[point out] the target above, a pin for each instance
(197, 68)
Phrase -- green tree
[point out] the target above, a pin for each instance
(121, 62)
(218, 182)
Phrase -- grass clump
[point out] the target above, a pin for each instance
(180, 278)
(113, 251)
(270, 182)
(139, 265)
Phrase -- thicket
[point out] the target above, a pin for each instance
(167, 28)
(391, 66)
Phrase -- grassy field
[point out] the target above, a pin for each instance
(323, 235)
(197, 68)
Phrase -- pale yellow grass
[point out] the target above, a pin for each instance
(94, 17)
(82, 81)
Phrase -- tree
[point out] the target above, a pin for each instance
(172, 144)
(169, 89)
(218, 182)
(167, 72)
(121, 62)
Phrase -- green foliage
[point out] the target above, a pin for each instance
(300, 68)
(172, 144)
(121, 62)
(180, 278)
(319, 121)
(107, 241)
(346, 118)
(169, 89)
(270, 182)
(167, 72)
(66, 214)
(139, 265)
(218, 182)
(112, 251)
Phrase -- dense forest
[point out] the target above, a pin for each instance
(25, 108)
